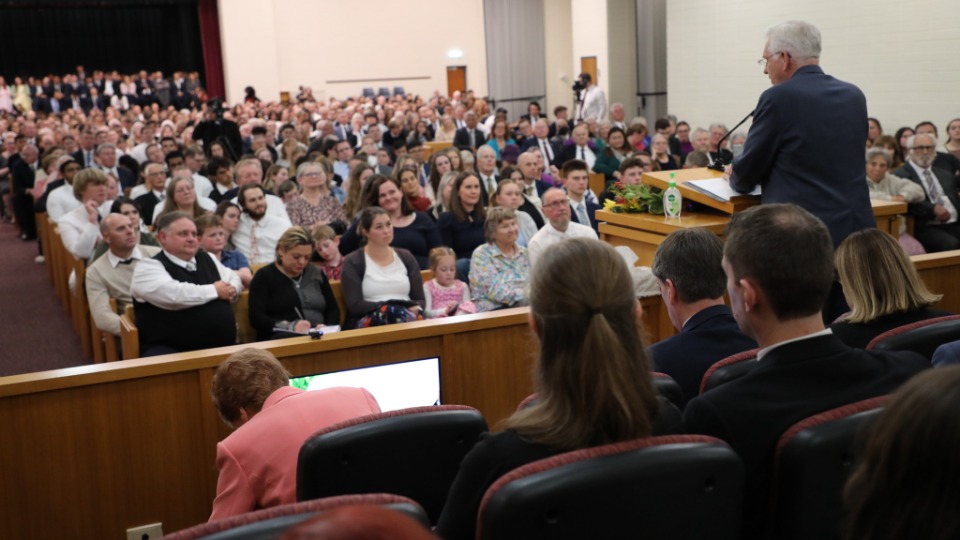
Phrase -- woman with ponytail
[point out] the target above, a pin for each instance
(592, 380)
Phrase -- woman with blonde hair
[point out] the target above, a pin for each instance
(591, 377)
(291, 295)
(881, 286)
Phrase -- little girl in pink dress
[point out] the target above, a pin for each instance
(445, 294)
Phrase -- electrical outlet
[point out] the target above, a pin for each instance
(145, 532)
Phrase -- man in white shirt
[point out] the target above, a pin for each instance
(150, 193)
(580, 149)
(62, 200)
(259, 232)
(341, 167)
(618, 116)
(147, 132)
(556, 207)
(80, 228)
(110, 275)
(182, 295)
(250, 171)
(193, 159)
(594, 101)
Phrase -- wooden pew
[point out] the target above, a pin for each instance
(79, 309)
(129, 335)
(115, 445)
(434, 146)
(598, 183)
(941, 273)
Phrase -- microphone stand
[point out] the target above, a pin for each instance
(718, 164)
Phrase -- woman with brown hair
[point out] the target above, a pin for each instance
(461, 228)
(592, 380)
(905, 485)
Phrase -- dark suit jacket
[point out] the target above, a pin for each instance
(708, 337)
(531, 142)
(569, 151)
(947, 162)
(461, 139)
(790, 383)
(78, 157)
(591, 213)
(147, 202)
(22, 176)
(923, 210)
(533, 211)
(806, 147)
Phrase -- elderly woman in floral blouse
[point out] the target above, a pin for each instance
(499, 269)
(316, 205)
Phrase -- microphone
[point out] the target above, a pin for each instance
(718, 164)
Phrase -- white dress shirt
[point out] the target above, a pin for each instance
(80, 237)
(257, 240)
(549, 235)
(594, 104)
(152, 283)
(61, 201)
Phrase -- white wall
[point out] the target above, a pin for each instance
(590, 39)
(903, 55)
(559, 50)
(622, 54)
(279, 45)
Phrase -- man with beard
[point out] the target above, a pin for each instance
(259, 231)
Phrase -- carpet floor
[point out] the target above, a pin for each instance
(35, 332)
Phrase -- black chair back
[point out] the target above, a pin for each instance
(415, 453)
(923, 337)
(668, 388)
(728, 369)
(814, 459)
(687, 486)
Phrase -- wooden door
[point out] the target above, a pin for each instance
(456, 79)
(588, 64)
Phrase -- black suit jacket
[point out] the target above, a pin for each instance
(790, 383)
(923, 210)
(147, 203)
(22, 178)
(531, 142)
(461, 139)
(708, 337)
(533, 211)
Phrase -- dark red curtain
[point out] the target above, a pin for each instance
(212, 54)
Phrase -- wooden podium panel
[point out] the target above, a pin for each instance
(644, 232)
(661, 179)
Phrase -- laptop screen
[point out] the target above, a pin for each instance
(415, 383)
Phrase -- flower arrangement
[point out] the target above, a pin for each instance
(638, 199)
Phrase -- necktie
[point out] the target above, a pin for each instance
(547, 154)
(191, 267)
(86, 158)
(473, 139)
(127, 261)
(491, 185)
(583, 154)
(253, 243)
(530, 191)
(932, 188)
(582, 215)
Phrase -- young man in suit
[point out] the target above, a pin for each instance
(469, 137)
(692, 283)
(575, 178)
(776, 295)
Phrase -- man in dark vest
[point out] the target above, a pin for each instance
(182, 296)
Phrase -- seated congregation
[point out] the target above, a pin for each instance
(350, 214)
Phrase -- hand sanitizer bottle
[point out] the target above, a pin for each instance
(672, 200)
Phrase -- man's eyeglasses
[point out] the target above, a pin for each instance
(558, 204)
(924, 148)
(763, 61)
